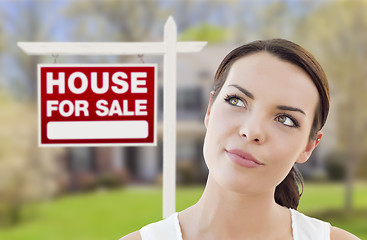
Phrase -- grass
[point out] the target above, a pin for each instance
(112, 214)
(326, 202)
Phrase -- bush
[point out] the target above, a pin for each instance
(188, 172)
(86, 181)
(335, 165)
(113, 179)
(362, 168)
(26, 172)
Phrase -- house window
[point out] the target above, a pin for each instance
(189, 103)
(82, 159)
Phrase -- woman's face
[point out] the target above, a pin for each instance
(259, 124)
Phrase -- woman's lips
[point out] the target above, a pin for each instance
(243, 159)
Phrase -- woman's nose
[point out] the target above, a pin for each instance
(252, 129)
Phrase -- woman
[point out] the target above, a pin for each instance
(269, 103)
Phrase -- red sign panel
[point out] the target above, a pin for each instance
(94, 105)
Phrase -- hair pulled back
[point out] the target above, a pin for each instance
(287, 192)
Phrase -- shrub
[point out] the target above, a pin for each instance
(113, 179)
(335, 165)
(86, 181)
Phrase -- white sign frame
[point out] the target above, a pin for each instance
(169, 48)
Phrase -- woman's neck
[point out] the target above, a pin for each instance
(223, 214)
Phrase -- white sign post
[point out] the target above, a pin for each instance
(169, 48)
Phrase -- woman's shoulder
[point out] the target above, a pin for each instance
(304, 225)
(132, 236)
(340, 234)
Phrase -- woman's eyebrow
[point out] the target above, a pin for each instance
(281, 107)
(244, 91)
(288, 108)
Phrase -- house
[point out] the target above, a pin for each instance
(196, 71)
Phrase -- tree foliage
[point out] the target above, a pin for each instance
(206, 32)
(27, 173)
(337, 30)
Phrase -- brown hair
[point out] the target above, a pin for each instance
(286, 193)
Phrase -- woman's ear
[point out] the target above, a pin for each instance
(305, 155)
(207, 114)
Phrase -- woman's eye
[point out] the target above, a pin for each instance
(286, 121)
(235, 101)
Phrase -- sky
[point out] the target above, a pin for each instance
(42, 20)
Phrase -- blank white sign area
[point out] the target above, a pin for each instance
(97, 130)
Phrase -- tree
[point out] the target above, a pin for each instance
(206, 32)
(115, 20)
(27, 173)
(337, 29)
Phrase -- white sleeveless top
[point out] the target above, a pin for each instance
(303, 228)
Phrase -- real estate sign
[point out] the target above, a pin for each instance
(97, 104)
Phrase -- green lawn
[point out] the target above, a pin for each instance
(112, 214)
(326, 201)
